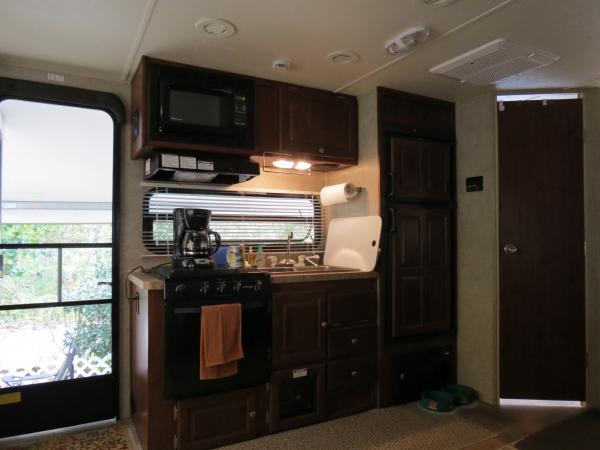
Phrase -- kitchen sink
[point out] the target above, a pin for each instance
(311, 269)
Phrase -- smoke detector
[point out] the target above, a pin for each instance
(218, 28)
(343, 57)
(494, 61)
(407, 40)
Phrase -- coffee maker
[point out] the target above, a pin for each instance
(193, 245)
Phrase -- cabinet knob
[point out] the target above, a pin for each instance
(321, 150)
(324, 324)
(180, 288)
(354, 341)
(252, 414)
(354, 373)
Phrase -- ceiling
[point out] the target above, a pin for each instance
(106, 38)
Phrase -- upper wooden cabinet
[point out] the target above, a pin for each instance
(418, 169)
(309, 124)
(318, 124)
(415, 115)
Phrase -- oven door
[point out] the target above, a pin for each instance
(182, 348)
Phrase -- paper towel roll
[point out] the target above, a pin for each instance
(338, 193)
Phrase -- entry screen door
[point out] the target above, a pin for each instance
(56, 266)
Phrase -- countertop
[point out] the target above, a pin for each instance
(150, 281)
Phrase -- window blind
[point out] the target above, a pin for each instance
(239, 217)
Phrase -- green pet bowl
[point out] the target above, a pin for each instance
(463, 395)
(438, 401)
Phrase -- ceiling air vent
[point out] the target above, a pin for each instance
(494, 61)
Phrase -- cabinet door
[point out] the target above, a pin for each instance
(216, 420)
(297, 397)
(318, 123)
(351, 307)
(420, 271)
(419, 169)
(416, 115)
(299, 327)
(266, 120)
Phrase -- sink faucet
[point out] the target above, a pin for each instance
(289, 245)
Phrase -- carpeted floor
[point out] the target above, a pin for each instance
(403, 427)
(581, 432)
(117, 437)
(398, 428)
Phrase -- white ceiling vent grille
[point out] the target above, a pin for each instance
(494, 61)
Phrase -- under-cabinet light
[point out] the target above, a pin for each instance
(283, 164)
(302, 165)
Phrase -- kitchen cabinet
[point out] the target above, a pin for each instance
(216, 420)
(328, 329)
(418, 201)
(415, 115)
(416, 370)
(420, 247)
(310, 124)
(152, 415)
(318, 125)
(297, 397)
(150, 85)
(418, 170)
(299, 327)
(266, 133)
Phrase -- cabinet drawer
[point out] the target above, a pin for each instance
(352, 372)
(352, 341)
(348, 308)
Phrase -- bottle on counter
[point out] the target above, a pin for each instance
(260, 257)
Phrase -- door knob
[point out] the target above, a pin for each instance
(511, 249)
(324, 324)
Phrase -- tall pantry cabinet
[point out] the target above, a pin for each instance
(416, 142)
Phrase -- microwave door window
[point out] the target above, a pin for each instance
(196, 109)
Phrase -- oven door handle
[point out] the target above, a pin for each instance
(197, 309)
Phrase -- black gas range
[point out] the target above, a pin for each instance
(186, 291)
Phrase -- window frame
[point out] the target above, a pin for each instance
(163, 247)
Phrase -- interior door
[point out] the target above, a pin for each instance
(542, 296)
(58, 351)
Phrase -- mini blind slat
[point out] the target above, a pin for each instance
(240, 218)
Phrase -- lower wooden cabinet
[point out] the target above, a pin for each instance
(299, 327)
(216, 420)
(414, 371)
(297, 397)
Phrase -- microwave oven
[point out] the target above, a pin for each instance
(200, 107)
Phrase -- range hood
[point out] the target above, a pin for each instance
(189, 168)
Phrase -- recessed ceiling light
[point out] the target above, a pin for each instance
(437, 2)
(343, 57)
(216, 27)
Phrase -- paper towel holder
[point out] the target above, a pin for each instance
(339, 193)
(352, 191)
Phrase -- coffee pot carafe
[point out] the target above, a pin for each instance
(194, 243)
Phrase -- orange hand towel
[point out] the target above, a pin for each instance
(220, 340)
